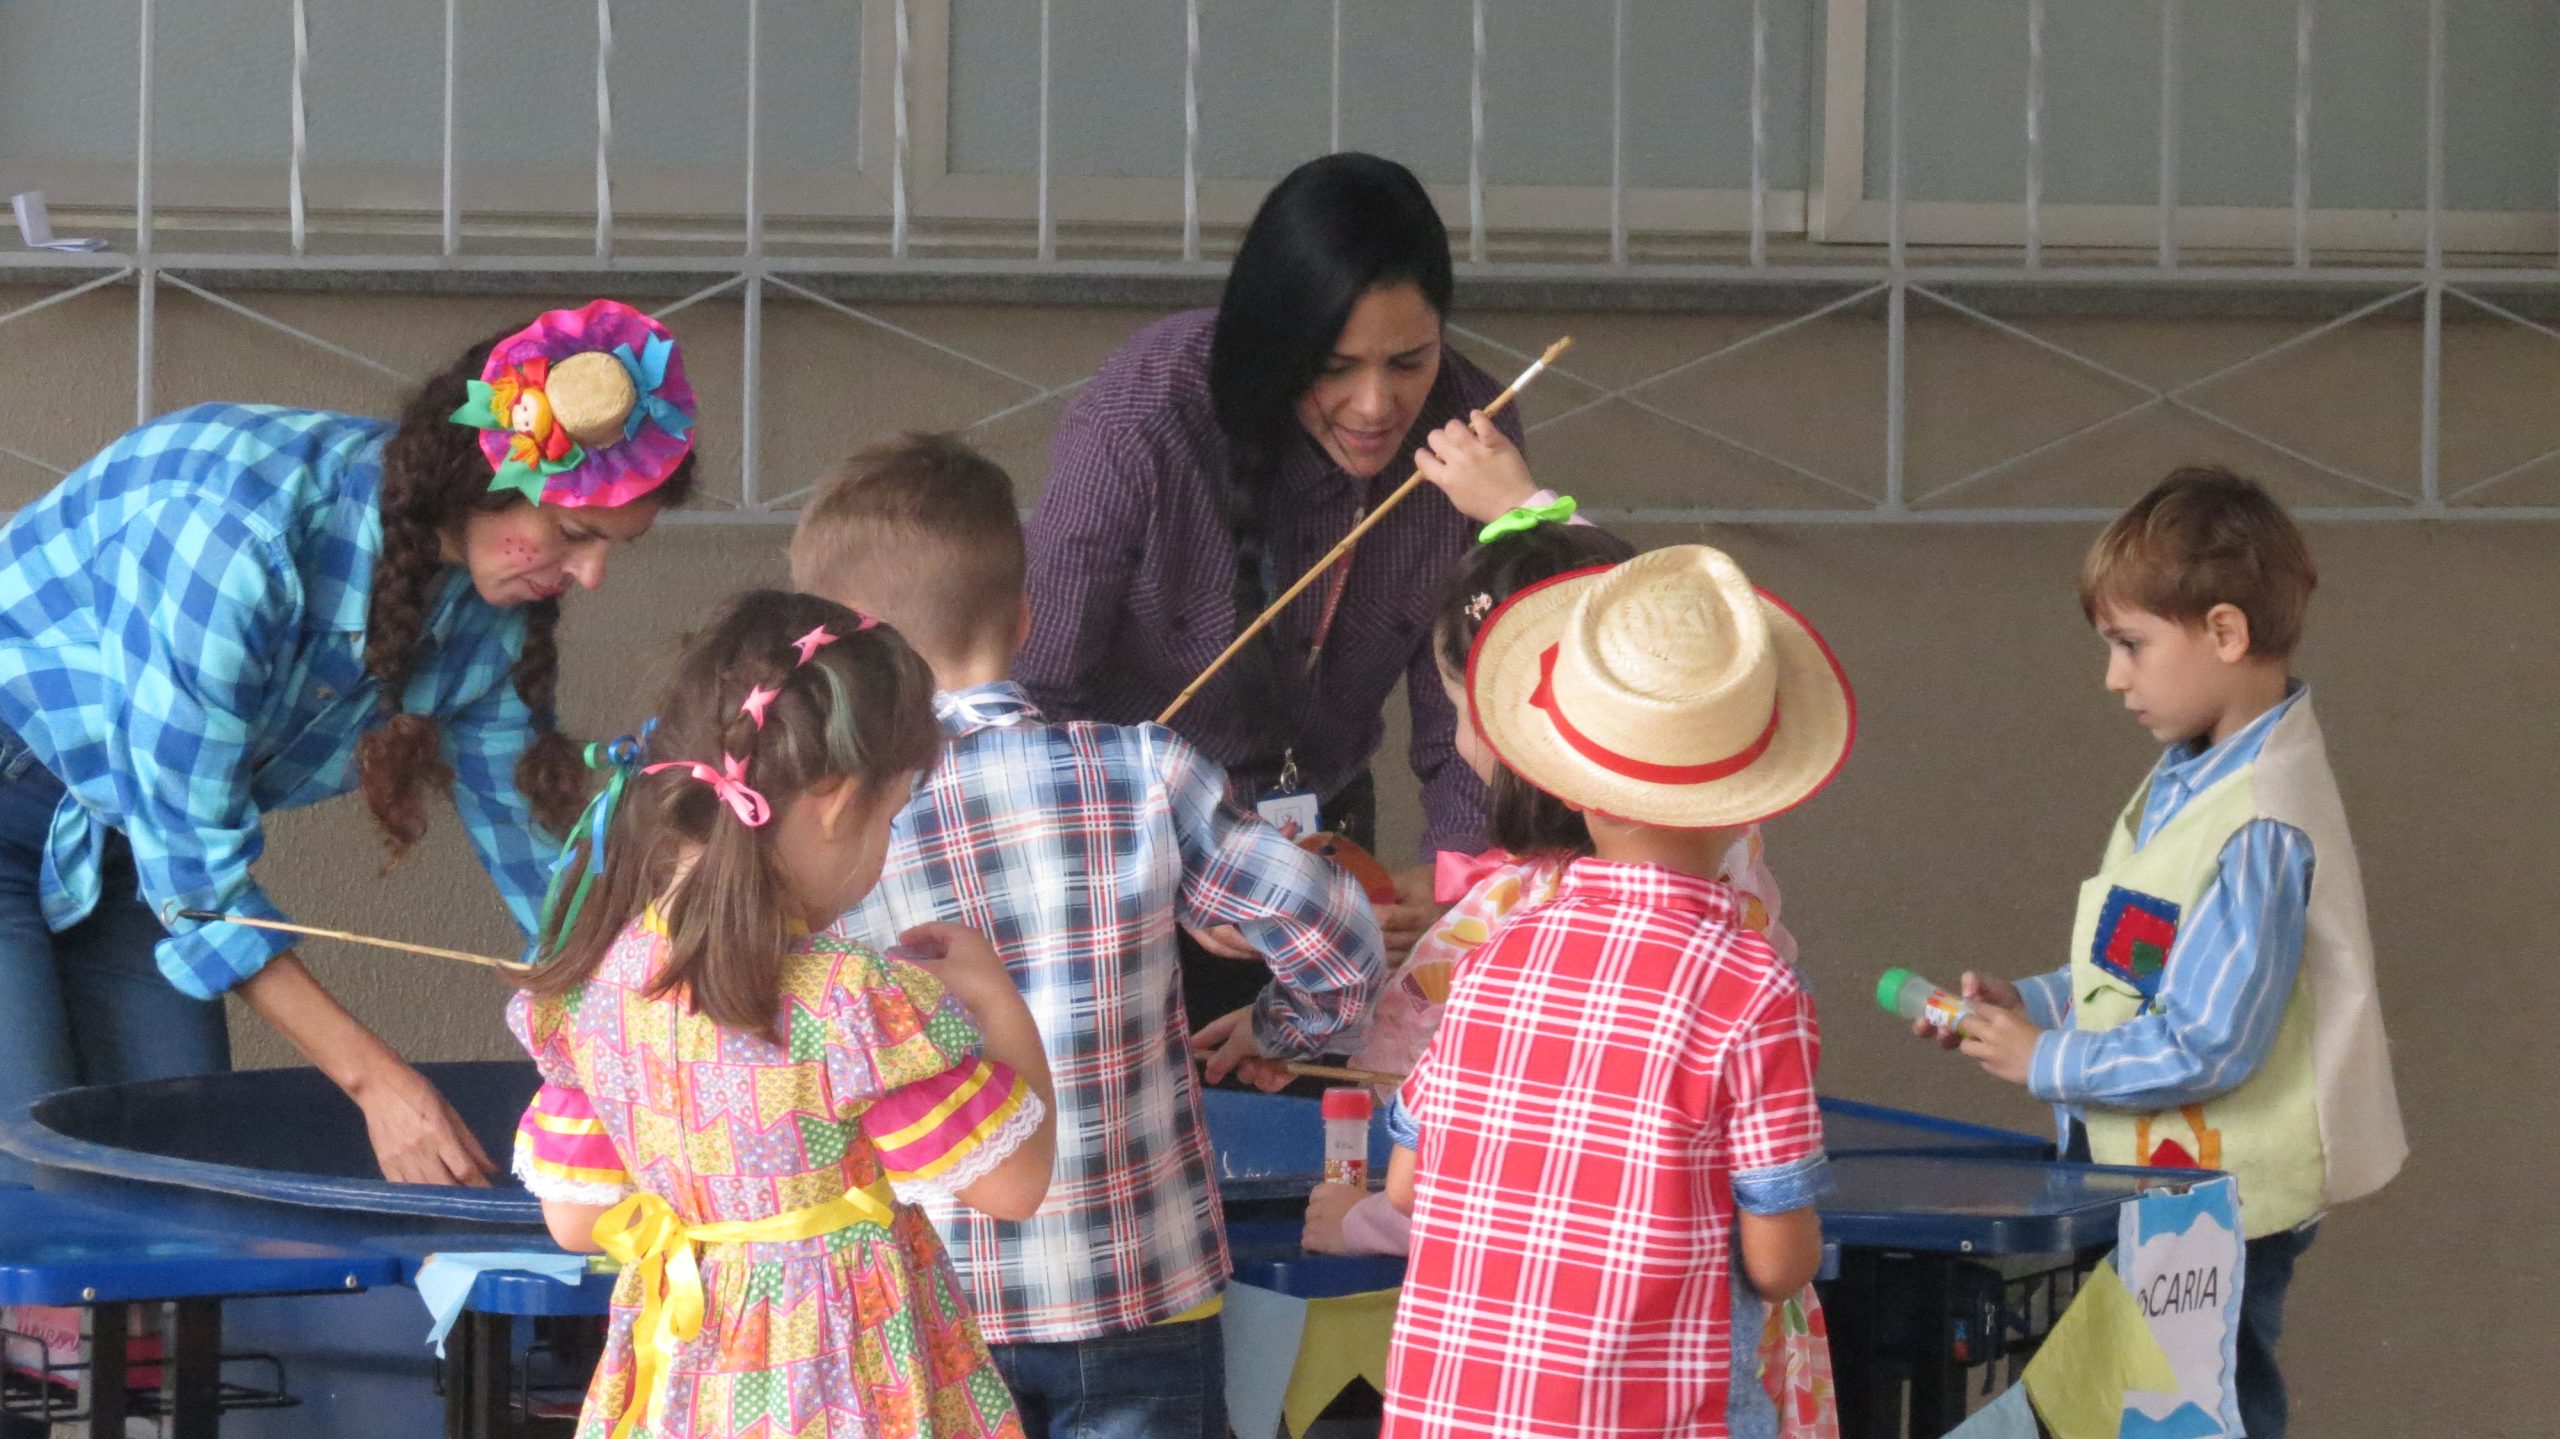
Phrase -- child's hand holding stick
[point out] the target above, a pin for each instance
(1225, 1045)
(1289, 595)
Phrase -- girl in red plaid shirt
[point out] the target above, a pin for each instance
(1618, 1111)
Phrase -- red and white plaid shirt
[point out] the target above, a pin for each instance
(1610, 1065)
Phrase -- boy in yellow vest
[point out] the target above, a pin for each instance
(2218, 1010)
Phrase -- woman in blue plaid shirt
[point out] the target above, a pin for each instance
(237, 609)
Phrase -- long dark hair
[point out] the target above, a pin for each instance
(1334, 229)
(860, 708)
(433, 478)
(1526, 819)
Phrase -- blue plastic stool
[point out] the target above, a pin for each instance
(56, 1250)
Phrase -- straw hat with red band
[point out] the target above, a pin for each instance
(1666, 691)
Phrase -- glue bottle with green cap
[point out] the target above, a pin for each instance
(1904, 993)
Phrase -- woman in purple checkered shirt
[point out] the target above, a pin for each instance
(1216, 457)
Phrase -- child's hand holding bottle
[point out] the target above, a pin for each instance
(1979, 991)
(1328, 1205)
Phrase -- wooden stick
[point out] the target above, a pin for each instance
(1338, 551)
(491, 961)
(1352, 1076)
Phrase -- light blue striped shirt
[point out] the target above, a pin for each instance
(2229, 971)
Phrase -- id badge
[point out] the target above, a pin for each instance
(1293, 812)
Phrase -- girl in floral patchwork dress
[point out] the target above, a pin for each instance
(730, 1095)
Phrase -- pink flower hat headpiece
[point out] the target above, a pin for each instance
(583, 407)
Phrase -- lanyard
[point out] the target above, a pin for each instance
(1335, 584)
(1333, 587)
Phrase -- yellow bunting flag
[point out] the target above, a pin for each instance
(2101, 1347)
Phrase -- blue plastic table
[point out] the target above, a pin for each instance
(1271, 1146)
(1921, 1299)
(63, 1251)
(1852, 1127)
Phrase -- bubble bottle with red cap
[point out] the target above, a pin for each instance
(1346, 1136)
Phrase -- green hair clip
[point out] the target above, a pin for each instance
(1526, 518)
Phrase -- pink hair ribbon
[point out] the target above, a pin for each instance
(729, 783)
(815, 640)
(1453, 874)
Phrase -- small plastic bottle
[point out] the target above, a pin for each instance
(1346, 1136)
(1904, 993)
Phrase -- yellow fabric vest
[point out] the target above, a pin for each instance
(2318, 1123)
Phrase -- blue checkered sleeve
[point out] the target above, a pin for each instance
(198, 597)
(1308, 920)
(483, 743)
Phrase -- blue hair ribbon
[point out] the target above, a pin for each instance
(621, 758)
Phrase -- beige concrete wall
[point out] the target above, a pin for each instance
(1989, 758)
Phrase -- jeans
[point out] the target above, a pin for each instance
(1166, 1381)
(2267, 1273)
(88, 1005)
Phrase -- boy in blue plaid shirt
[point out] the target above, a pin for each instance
(1078, 849)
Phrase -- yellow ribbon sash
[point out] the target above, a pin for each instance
(647, 1235)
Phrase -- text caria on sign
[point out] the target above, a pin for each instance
(2183, 1291)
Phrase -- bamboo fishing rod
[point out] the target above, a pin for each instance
(1335, 554)
(490, 961)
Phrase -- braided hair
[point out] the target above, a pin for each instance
(434, 477)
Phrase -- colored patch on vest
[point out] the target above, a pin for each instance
(2135, 931)
(2156, 1150)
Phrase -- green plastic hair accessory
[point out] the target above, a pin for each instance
(844, 734)
(1528, 517)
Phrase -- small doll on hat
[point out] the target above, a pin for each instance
(1625, 1072)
